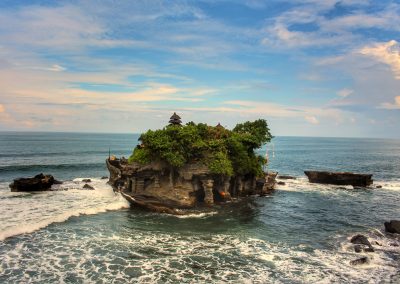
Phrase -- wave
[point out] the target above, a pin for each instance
(153, 257)
(32, 212)
(25, 168)
(302, 183)
(196, 215)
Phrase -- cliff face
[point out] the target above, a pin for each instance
(160, 187)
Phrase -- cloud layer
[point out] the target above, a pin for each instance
(321, 68)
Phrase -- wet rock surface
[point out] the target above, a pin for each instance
(360, 240)
(286, 177)
(392, 227)
(360, 261)
(39, 182)
(339, 178)
(158, 187)
(88, 187)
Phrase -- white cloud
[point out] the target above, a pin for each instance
(57, 68)
(387, 53)
(344, 93)
(311, 119)
(395, 105)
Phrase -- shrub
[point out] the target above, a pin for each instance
(225, 152)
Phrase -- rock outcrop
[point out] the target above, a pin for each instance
(286, 177)
(340, 178)
(359, 261)
(88, 187)
(361, 244)
(39, 182)
(393, 227)
(162, 188)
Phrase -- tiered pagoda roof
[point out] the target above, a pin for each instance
(175, 119)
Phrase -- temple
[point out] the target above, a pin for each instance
(175, 119)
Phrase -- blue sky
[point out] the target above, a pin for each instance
(311, 68)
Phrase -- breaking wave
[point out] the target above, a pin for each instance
(27, 212)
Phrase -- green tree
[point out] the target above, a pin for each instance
(225, 152)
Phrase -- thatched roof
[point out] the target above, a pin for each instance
(175, 117)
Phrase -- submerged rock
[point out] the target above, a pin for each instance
(357, 248)
(361, 244)
(281, 183)
(39, 182)
(393, 227)
(360, 261)
(86, 180)
(340, 178)
(104, 177)
(88, 187)
(361, 240)
(286, 177)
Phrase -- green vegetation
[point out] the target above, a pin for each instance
(226, 152)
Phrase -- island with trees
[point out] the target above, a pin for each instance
(193, 165)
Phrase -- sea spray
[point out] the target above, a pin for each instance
(28, 212)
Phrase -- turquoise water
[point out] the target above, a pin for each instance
(299, 234)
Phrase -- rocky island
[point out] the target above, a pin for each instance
(193, 166)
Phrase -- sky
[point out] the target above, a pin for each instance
(310, 68)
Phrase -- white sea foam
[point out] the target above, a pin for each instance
(27, 212)
(196, 215)
(302, 184)
(172, 258)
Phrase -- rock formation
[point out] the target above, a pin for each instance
(393, 227)
(160, 187)
(39, 182)
(340, 178)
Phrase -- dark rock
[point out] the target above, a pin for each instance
(393, 226)
(104, 177)
(57, 182)
(358, 248)
(86, 180)
(286, 177)
(369, 249)
(39, 182)
(339, 178)
(362, 248)
(281, 183)
(88, 187)
(359, 261)
(158, 187)
(269, 184)
(379, 186)
(394, 244)
(360, 240)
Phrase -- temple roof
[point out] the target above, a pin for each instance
(175, 116)
(175, 119)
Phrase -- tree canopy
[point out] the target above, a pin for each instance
(226, 152)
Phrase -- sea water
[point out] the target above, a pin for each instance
(299, 234)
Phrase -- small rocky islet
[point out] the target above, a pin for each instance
(193, 166)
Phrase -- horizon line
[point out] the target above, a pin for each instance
(138, 133)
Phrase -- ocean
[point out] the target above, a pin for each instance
(298, 234)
